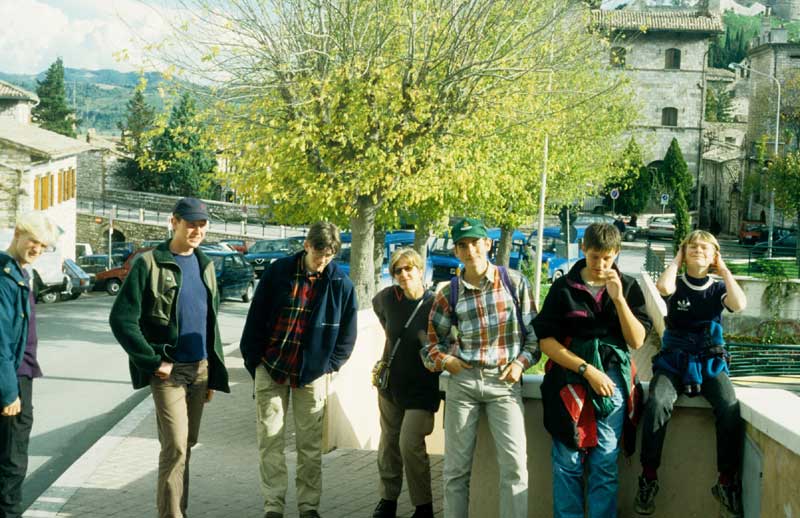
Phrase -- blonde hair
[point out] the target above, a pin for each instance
(699, 235)
(409, 254)
(38, 226)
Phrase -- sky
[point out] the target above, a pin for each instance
(85, 33)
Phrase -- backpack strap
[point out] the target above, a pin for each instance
(507, 283)
(453, 300)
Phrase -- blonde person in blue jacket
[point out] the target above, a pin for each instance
(18, 364)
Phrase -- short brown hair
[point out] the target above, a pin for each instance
(324, 235)
(409, 254)
(699, 235)
(602, 236)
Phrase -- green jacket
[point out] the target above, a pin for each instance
(144, 319)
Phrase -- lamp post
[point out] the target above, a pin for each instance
(735, 66)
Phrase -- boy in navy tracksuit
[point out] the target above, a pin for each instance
(692, 362)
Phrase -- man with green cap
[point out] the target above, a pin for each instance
(480, 332)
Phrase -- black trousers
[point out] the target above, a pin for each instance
(664, 390)
(14, 434)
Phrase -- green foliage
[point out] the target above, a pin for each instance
(675, 176)
(719, 105)
(180, 159)
(731, 47)
(790, 106)
(135, 132)
(52, 112)
(634, 183)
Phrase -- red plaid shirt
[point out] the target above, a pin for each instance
(283, 354)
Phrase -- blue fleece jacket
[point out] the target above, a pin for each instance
(331, 336)
(14, 310)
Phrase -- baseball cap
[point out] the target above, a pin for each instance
(468, 227)
(191, 209)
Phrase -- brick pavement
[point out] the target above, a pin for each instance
(117, 477)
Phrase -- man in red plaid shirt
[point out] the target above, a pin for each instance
(300, 328)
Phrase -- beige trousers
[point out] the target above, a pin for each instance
(308, 407)
(179, 403)
(402, 445)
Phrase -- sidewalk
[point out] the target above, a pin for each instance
(117, 476)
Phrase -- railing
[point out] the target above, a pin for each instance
(764, 359)
(654, 260)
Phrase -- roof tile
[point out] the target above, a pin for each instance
(643, 21)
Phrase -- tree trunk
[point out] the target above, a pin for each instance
(378, 249)
(362, 268)
(422, 232)
(503, 250)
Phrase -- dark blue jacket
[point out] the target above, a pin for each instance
(14, 311)
(329, 339)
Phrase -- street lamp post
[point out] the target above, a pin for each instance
(734, 66)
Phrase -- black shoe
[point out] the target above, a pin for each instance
(385, 509)
(730, 496)
(310, 514)
(423, 511)
(273, 514)
(645, 502)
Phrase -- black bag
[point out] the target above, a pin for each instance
(380, 372)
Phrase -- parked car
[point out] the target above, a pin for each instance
(111, 280)
(215, 246)
(263, 252)
(78, 282)
(94, 264)
(785, 246)
(750, 232)
(240, 245)
(554, 251)
(151, 243)
(82, 249)
(122, 248)
(234, 275)
(393, 240)
(662, 227)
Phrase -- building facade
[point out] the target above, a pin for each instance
(664, 54)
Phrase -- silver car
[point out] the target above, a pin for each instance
(661, 227)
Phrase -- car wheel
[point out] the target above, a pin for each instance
(112, 286)
(247, 296)
(49, 297)
(71, 296)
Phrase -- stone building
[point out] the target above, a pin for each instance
(37, 167)
(770, 56)
(664, 53)
(786, 9)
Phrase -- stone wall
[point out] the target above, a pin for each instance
(93, 229)
(98, 171)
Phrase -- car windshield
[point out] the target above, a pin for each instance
(442, 246)
(662, 221)
(276, 245)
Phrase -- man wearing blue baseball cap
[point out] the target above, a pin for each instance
(480, 332)
(165, 317)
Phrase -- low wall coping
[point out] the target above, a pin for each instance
(775, 412)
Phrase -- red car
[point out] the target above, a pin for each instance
(240, 245)
(751, 232)
(112, 279)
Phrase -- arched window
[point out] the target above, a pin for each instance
(669, 117)
(617, 57)
(672, 59)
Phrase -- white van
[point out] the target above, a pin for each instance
(49, 279)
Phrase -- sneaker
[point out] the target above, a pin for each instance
(310, 514)
(385, 509)
(645, 502)
(730, 496)
(423, 511)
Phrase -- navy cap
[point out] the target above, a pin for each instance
(191, 209)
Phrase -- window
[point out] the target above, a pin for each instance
(669, 117)
(617, 58)
(672, 59)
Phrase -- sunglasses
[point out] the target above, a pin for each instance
(406, 268)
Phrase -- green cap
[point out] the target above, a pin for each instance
(468, 227)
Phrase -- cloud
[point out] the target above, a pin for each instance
(85, 33)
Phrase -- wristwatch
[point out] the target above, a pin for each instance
(582, 368)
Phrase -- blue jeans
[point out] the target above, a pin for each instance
(468, 392)
(568, 466)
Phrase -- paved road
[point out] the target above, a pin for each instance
(86, 388)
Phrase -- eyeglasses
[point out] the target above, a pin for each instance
(406, 268)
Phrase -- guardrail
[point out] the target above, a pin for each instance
(764, 359)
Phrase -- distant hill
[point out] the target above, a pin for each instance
(99, 97)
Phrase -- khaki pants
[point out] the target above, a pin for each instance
(403, 445)
(308, 406)
(179, 405)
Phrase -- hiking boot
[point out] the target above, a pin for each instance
(645, 502)
(385, 509)
(730, 496)
(423, 511)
